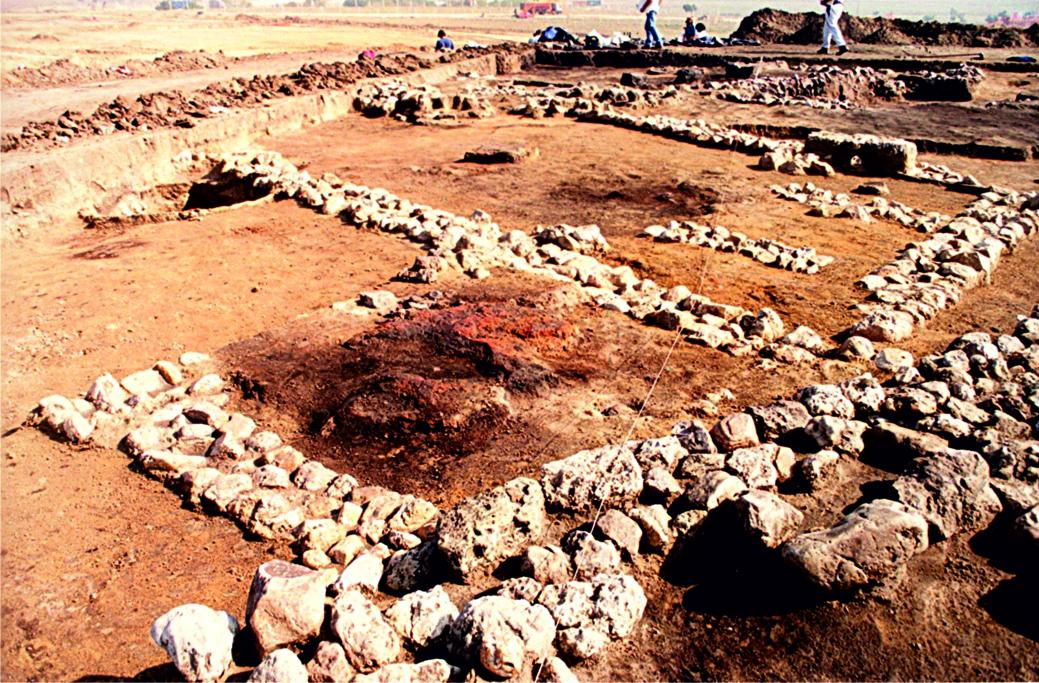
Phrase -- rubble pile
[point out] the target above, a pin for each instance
(475, 245)
(183, 109)
(826, 204)
(766, 251)
(548, 102)
(815, 86)
(830, 86)
(931, 275)
(804, 28)
(418, 104)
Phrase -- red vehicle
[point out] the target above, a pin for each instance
(534, 9)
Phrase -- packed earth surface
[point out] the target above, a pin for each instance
(330, 357)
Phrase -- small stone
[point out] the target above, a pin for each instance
(590, 556)
(767, 518)
(206, 385)
(546, 564)
(735, 431)
(500, 634)
(856, 347)
(625, 533)
(364, 572)
(329, 664)
(893, 360)
(280, 666)
(656, 531)
(367, 638)
(713, 489)
(659, 485)
(170, 372)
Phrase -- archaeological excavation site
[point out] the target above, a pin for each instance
(526, 362)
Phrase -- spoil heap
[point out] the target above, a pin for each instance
(804, 28)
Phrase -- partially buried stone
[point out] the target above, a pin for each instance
(280, 666)
(869, 546)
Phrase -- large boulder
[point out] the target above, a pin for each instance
(198, 640)
(492, 526)
(896, 446)
(368, 640)
(501, 635)
(286, 604)
(877, 156)
(872, 544)
(583, 481)
(950, 489)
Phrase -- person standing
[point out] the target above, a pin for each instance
(650, 8)
(831, 31)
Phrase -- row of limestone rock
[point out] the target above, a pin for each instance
(354, 541)
(179, 432)
(766, 251)
(826, 203)
(475, 245)
(931, 275)
(814, 86)
(959, 429)
(418, 103)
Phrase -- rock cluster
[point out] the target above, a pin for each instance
(815, 86)
(826, 204)
(931, 275)
(766, 251)
(178, 431)
(418, 104)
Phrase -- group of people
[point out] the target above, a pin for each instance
(694, 33)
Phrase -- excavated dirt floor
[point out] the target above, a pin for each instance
(505, 374)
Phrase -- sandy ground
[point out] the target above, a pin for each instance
(92, 552)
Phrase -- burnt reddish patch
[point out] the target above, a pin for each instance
(442, 378)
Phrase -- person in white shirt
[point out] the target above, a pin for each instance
(831, 31)
(650, 8)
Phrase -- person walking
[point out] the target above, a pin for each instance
(650, 8)
(831, 31)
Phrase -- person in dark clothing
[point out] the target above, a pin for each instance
(443, 42)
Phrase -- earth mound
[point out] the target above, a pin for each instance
(805, 28)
